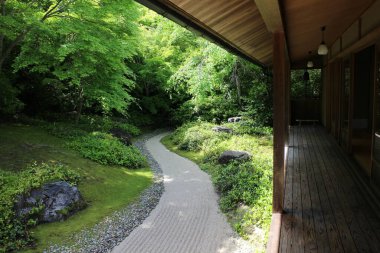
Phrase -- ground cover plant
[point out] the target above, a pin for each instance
(32, 157)
(245, 188)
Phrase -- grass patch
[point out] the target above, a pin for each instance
(245, 188)
(191, 155)
(106, 188)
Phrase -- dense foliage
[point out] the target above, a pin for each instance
(67, 44)
(245, 188)
(306, 85)
(66, 58)
(14, 230)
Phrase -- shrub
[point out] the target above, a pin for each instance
(106, 149)
(14, 233)
(63, 130)
(249, 126)
(192, 136)
(247, 184)
(131, 129)
(9, 103)
(241, 184)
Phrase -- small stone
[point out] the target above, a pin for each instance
(222, 129)
(229, 155)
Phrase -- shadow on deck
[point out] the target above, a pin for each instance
(326, 210)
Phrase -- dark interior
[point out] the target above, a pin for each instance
(362, 122)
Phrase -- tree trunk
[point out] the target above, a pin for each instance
(2, 6)
(5, 54)
(8, 51)
(147, 89)
(79, 106)
(235, 79)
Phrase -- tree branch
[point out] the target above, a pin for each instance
(3, 55)
(3, 12)
(8, 51)
(51, 11)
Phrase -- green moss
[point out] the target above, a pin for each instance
(105, 188)
(192, 155)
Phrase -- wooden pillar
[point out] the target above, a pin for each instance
(280, 117)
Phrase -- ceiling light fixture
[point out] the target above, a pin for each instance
(310, 63)
(322, 49)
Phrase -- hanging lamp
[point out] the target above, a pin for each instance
(309, 63)
(322, 49)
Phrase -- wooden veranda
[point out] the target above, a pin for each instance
(325, 208)
(317, 203)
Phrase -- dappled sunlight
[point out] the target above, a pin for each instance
(168, 179)
(146, 225)
(192, 180)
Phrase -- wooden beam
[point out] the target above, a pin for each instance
(274, 234)
(280, 83)
(271, 14)
(363, 42)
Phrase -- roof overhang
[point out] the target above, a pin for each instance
(246, 27)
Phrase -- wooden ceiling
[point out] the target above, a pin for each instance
(304, 19)
(236, 22)
(246, 29)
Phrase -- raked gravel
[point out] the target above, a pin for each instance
(187, 219)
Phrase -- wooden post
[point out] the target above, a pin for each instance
(280, 82)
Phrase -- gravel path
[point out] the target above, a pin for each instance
(187, 217)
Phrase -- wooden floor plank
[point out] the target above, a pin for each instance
(310, 244)
(357, 211)
(286, 226)
(331, 225)
(297, 224)
(337, 197)
(319, 222)
(324, 205)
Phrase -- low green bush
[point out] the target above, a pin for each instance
(64, 130)
(88, 124)
(240, 184)
(131, 129)
(193, 136)
(106, 149)
(14, 231)
(248, 126)
(91, 139)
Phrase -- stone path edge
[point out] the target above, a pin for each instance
(108, 233)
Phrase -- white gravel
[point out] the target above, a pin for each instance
(187, 217)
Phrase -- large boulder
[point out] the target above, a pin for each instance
(123, 136)
(230, 155)
(220, 129)
(56, 201)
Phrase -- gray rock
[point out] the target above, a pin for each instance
(58, 201)
(229, 155)
(222, 129)
(123, 136)
(234, 119)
